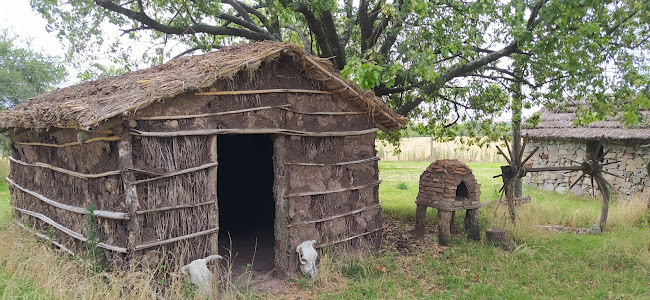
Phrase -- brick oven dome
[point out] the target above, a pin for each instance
(449, 185)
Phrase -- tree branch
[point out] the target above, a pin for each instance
(457, 71)
(190, 29)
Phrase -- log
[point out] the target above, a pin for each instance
(178, 117)
(420, 221)
(500, 237)
(472, 227)
(65, 171)
(349, 238)
(254, 92)
(125, 163)
(334, 164)
(75, 209)
(45, 237)
(444, 227)
(67, 230)
(93, 140)
(213, 222)
(336, 216)
(176, 173)
(352, 188)
(252, 131)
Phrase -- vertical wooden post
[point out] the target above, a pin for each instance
(125, 162)
(420, 220)
(213, 222)
(472, 227)
(285, 261)
(444, 227)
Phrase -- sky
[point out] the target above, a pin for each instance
(22, 21)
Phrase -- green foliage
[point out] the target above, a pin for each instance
(25, 73)
(402, 186)
(96, 255)
(443, 62)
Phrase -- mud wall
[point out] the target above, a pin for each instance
(30, 174)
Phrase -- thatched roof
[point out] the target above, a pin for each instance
(558, 124)
(87, 104)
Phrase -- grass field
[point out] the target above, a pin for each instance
(614, 265)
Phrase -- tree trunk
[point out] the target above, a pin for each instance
(500, 237)
(604, 210)
(420, 221)
(444, 227)
(472, 227)
(517, 97)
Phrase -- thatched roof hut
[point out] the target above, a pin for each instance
(560, 141)
(261, 143)
(559, 124)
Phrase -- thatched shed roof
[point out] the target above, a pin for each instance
(558, 124)
(87, 104)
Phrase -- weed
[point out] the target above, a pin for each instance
(402, 186)
(97, 257)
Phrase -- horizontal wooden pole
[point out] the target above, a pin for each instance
(334, 164)
(238, 111)
(140, 212)
(230, 112)
(40, 235)
(336, 216)
(185, 171)
(68, 231)
(349, 238)
(75, 209)
(65, 171)
(180, 238)
(251, 131)
(334, 191)
(93, 140)
(253, 92)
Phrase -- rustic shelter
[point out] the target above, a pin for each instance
(261, 144)
(560, 142)
(448, 185)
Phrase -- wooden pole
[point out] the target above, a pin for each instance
(125, 164)
(420, 221)
(444, 227)
(213, 219)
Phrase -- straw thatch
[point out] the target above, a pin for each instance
(86, 105)
(558, 124)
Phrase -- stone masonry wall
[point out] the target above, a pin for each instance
(551, 152)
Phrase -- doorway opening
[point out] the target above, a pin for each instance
(462, 193)
(245, 199)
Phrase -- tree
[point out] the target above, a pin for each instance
(447, 61)
(25, 73)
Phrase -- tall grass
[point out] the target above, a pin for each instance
(416, 149)
(545, 264)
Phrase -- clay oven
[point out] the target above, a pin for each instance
(448, 185)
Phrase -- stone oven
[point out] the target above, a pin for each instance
(448, 185)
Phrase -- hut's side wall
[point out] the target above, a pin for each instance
(633, 166)
(326, 187)
(41, 169)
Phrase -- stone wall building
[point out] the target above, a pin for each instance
(560, 142)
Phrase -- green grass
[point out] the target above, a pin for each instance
(546, 265)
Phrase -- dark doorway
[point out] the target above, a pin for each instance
(246, 204)
(461, 191)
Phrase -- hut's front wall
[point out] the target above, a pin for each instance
(632, 166)
(49, 198)
(325, 169)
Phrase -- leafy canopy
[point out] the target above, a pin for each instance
(25, 73)
(442, 61)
